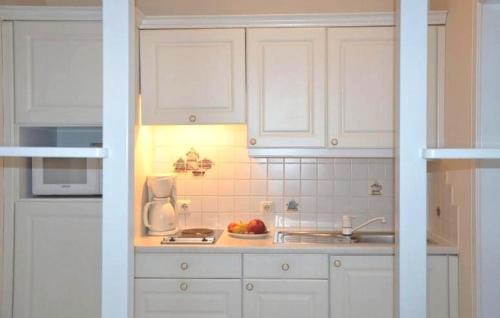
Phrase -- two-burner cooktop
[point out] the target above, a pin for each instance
(191, 236)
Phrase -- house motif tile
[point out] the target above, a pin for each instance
(193, 164)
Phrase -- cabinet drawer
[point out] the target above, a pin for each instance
(308, 266)
(188, 298)
(155, 265)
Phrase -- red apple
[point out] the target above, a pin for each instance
(256, 226)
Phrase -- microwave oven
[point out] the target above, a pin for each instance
(66, 176)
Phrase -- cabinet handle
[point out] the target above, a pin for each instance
(192, 118)
(334, 141)
(285, 267)
(249, 286)
(253, 141)
(184, 266)
(184, 286)
(337, 263)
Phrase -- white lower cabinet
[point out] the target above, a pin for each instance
(187, 298)
(285, 298)
(57, 271)
(281, 286)
(362, 286)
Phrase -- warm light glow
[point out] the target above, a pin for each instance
(215, 142)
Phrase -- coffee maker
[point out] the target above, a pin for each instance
(159, 215)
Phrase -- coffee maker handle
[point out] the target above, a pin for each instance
(145, 214)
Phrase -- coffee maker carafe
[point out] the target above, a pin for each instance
(159, 212)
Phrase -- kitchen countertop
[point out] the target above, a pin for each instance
(228, 244)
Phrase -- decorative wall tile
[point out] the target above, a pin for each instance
(324, 188)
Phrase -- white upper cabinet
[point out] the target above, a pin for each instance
(286, 87)
(58, 72)
(193, 76)
(361, 86)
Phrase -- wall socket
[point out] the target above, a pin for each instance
(266, 206)
(183, 206)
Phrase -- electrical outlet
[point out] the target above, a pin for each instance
(266, 206)
(183, 206)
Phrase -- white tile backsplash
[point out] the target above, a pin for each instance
(325, 188)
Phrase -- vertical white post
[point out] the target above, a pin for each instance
(488, 172)
(411, 254)
(119, 99)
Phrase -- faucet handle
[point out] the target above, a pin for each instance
(347, 224)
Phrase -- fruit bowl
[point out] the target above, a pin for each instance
(253, 229)
(249, 235)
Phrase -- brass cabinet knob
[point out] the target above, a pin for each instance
(192, 118)
(334, 141)
(285, 267)
(184, 266)
(249, 286)
(337, 263)
(253, 141)
(183, 286)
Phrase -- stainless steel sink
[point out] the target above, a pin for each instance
(332, 237)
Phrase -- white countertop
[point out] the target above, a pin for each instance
(227, 244)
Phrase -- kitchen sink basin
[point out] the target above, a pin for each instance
(333, 237)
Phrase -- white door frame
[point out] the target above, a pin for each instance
(118, 138)
(117, 276)
(411, 167)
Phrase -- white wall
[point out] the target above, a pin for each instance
(174, 7)
(488, 199)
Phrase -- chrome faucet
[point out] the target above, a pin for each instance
(347, 229)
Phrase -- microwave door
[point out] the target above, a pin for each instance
(66, 176)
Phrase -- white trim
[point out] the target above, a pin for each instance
(281, 20)
(411, 169)
(40, 13)
(11, 180)
(461, 153)
(322, 152)
(139, 17)
(53, 152)
(119, 79)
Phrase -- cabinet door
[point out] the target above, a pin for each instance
(57, 259)
(361, 86)
(187, 298)
(361, 286)
(438, 299)
(193, 76)
(286, 87)
(285, 299)
(58, 72)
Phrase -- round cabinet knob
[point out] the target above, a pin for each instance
(184, 266)
(253, 141)
(337, 263)
(192, 118)
(184, 286)
(249, 286)
(285, 267)
(334, 141)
